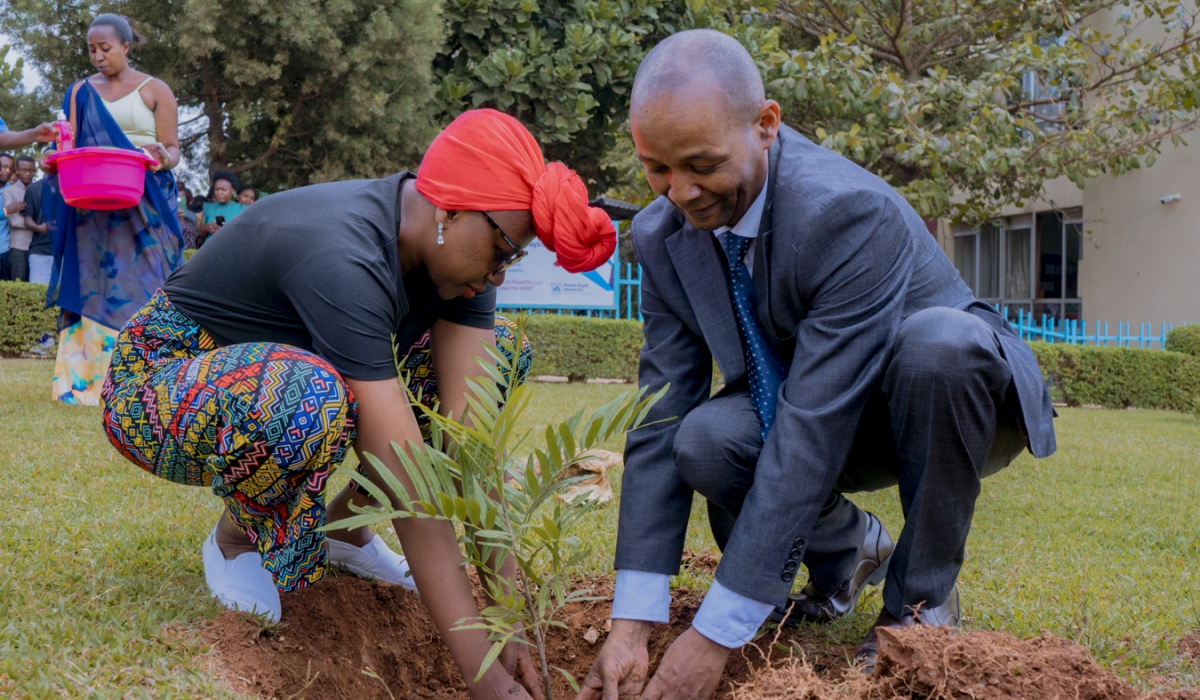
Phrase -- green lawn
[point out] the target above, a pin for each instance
(102, 581)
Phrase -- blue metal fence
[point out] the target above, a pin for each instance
(628, 297)
(1075, 332)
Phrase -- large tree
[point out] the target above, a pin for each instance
(294, 91)
(969, 105)
(20, 108)
(563, 67)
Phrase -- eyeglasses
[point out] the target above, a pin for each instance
(505, 261)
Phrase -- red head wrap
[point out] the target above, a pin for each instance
(487, 161)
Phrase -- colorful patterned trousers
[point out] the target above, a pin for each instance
(262, 424)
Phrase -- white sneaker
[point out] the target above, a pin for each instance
(374, 560)
(241, 583)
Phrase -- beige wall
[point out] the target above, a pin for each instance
(1141, 258)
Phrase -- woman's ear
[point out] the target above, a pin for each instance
(451, 215)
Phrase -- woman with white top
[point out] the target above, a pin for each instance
(108, 264)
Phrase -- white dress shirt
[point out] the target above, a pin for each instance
(727, 618)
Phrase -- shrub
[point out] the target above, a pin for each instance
(1119, 377)
(25, 318)
(581, 348)
(1185, 339)
(502, 503)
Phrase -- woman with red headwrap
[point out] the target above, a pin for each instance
(270, 354)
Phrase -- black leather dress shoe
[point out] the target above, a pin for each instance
(947, 614)
(812, 605)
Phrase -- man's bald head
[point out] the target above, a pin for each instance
(702, 126)
(700, 64)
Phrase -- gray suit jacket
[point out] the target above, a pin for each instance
(841, 259)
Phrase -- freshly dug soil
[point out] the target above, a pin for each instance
(1190, 646)
(336, 633)
(350, 638)
(941, 664)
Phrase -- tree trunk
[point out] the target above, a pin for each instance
(217, 158)
(216, 137)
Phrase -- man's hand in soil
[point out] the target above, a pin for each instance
(620, 669)
(516, 660)
(691, 668)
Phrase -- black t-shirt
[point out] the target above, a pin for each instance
(318, 268)
(33, 209)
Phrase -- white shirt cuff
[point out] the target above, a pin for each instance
(730, 619)
(641, 595)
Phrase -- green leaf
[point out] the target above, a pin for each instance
(492, 655)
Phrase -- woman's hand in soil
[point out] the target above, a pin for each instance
(620, 669)
(691, 668)
(516, 660)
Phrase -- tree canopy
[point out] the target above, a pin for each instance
(294, 91)
(968, 105)
(20, 108)
(963, 105)
(563, 67)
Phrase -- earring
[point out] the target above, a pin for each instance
(440, 239)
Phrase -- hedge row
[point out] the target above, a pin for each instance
(1185, 339)
(23, 317)
(1120, 377)
(583, 348)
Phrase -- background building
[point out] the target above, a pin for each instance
(1124, 248)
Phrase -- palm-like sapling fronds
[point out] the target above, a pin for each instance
(469, 475)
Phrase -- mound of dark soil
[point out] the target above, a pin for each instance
(350, 638)
(1190, 646)
(942, 664)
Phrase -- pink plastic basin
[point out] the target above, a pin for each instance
(101, 178)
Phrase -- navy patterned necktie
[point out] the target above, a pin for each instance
(763, 368)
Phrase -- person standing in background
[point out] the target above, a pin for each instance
(41, 252)
(220, 208)
(43, 133)
(108, 264)
(247, 195)
(6, 169)
(14, 209)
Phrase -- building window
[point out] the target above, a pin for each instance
(1028, 263)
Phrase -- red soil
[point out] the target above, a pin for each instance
(941, 664)
(350, 638)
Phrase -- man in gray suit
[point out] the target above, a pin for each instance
(854, 357)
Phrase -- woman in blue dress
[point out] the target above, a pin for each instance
(108, 264)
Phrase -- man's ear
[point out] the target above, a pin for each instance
(767, 123)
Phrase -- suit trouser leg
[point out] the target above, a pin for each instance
(947, 405)
(943, 418)
(716, 450)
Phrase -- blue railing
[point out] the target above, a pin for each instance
(627, 298)
(1075, 332)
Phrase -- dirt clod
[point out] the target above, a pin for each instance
(927, 662)
(1190, 646)
(350, 638)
